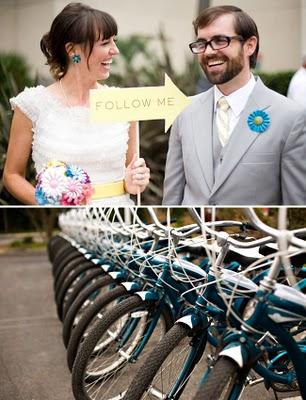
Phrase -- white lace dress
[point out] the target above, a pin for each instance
(66, 134)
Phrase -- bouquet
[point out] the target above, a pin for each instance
(61, 184)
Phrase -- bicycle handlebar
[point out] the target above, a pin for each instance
(276, 233)
(255, 223)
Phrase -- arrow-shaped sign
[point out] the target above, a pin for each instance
(137, 104)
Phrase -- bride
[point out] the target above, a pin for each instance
(53, 123)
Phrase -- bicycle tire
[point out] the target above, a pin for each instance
(65, 250)
(64, 286)
(54, 243)
(88, 316)
(63, 261)
(66, 269)
(221, 378)
(78, 302)
(80, 375)
(155, 359)
(160, 374)
(90, 278)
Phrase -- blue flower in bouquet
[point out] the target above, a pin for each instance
(77, 173)
(40, 196)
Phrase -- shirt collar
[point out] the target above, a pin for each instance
(238, 99)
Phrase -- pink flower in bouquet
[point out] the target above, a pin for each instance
(53, 182)
(73, 193)
(88, 191)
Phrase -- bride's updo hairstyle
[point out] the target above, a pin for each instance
(77, 23)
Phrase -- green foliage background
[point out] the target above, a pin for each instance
(14, 77)
(137, 65)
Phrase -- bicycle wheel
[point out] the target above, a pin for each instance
(220, 381)
(172, 369)
(53, 245)
(64, 261)
(104, 364)
(66, 269)
(82, 302)
(81, 286)
(61, 255)
(66, 286)
(106, 300)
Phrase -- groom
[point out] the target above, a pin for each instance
(239, 143)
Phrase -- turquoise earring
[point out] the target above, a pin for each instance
(76, 58)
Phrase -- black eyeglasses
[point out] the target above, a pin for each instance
(216, 43)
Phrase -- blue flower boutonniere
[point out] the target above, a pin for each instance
(259, 121)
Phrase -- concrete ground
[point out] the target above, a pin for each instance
(32, 354)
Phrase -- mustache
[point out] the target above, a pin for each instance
(209, 58)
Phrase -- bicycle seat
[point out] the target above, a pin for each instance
(298, 260)
(244, 257)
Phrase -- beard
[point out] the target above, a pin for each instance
(233, 68)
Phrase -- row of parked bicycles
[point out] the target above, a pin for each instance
(151, 310)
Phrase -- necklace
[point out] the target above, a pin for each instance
(64, 94)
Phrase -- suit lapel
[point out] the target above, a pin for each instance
(202, 123)
(242, 137)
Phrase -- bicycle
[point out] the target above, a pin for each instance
(275, 310)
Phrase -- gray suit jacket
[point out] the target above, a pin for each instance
(266, 168)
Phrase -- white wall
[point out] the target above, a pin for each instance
(30, 20)
(7, 28)
(33, 18)
(303, 26)
(279, 25)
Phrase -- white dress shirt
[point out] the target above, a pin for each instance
(237, 101)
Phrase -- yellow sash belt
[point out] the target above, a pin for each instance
(112, 189)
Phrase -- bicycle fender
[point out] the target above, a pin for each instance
(101, 263)
(189, 320)
(88, 256)
(130, 287)
(83, 250)
(116, 275)
(147, 295)
(236, 352)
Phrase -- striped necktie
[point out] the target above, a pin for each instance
(223, 120)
